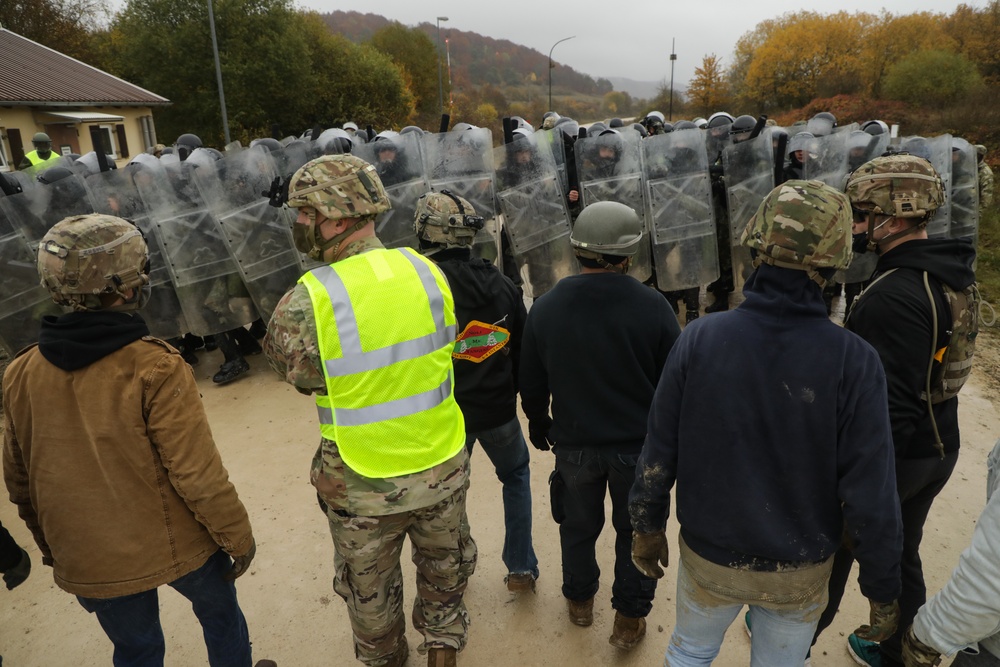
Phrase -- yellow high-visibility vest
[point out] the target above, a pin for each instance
(37, 162)
(385, 321)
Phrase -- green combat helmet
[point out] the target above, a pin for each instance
(901, 185)
(337, 186)
(606, 228)
(446, 220)
(802, 225)
(86, 256)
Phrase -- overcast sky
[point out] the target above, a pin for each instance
(612, 39)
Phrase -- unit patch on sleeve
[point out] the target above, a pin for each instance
(479, 340)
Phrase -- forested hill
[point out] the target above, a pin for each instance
(475, 59)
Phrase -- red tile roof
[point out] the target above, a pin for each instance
(35, 75)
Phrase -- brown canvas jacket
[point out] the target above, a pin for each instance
(115, 472)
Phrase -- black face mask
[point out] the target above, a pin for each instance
(859, 243)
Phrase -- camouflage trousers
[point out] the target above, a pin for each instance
(369, 578)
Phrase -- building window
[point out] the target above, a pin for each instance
(107, 139)
(4, 164)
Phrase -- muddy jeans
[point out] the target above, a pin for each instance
(784, 609)
(369, 579)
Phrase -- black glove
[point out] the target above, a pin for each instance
(538, 433)
(16, 575)
(241, 563)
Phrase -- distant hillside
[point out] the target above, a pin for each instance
(478, 60)
(645, 90)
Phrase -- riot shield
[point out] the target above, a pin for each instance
(863, 147)
(679, 210)
(609, 167)
(38, 208)
(400, 167)
(749, 170)
(255, 231)
(534, 213)
(964, 190)
(937, 150)
(287, 161)
(462, 162)
(116, 193)
(206, 278)
(830, 163)
(23, 301)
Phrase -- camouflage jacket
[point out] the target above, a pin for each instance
(292, 348)
(985, 185)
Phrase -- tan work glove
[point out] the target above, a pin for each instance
(918, 654)
(647, 549)
(241, 563)
(882, 622)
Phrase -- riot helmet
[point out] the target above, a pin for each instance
(822, 124)
(203, 157)
(521, 124)
(412, 128)
(801, 146)
(445, 220)
(53, 174)
(607, 233)
(549, 119)
(334, 186)
(89, 163)
(42, 143)
(700, 123)
(803, 225)
(462, 127)
(266, 144)
(667, 128)
(641, 129)
(615, 123)
(85, 257)
(684, 125)
(334, 140)
(875, 127)
(741, 128)
(597, 128)
(185, 144)
(350, 127)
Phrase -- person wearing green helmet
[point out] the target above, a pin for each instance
(42, 157)
(594, 345)
(771, 421)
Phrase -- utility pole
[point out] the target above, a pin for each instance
(551, 65)
(218, 73)
(673, 59)
(440, 76)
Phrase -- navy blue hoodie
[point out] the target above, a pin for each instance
(772, 421)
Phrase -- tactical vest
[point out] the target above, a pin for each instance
(385, 322)
(37, 162)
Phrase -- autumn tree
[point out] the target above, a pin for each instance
(932, 78)
(417, 56)
(890, 38)
(708, 90)
(63, 25)
(976, 35)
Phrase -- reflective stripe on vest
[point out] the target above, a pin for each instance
(385, 324)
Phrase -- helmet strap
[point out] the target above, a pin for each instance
(874, 246)
(322, 245)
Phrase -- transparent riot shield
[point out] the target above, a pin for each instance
(462, 162)
(287, 161)
(255, 232)
(115, 193)
(400, 167)
(830, 161)
(23, 301)
(749, 173)
(206, 278)
(679, 210)
(38, 208)
(609, 167)
(938, 151)
(964, 191)
(557, 147)
(863, 147)
(534, 213)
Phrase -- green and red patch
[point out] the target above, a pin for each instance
(479, 340)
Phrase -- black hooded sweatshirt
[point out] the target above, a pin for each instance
(894, 316)
(485, 361)
(76, 340)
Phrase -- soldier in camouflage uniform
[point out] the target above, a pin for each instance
(760, 511)
(403, 473)
(985, 179)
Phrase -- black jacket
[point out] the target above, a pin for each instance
(486, 370)
(596, 344)
(894, 316)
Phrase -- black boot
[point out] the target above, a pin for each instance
(720, 304)
(691, 316)
(231, 370)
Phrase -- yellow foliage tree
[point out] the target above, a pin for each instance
(708, 91)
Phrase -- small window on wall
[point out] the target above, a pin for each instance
(107, 139)
(122, 141)
(4, 164)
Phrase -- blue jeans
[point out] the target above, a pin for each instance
(509, 453)
(780, 638)
(132, 622)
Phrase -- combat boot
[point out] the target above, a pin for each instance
(442, 657)
(627, 631)
(518, 582)
(720, 304)
(691, 316)
(398, 657)
(581, 612)
(230, 371)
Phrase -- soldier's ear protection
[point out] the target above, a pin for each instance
(462, 220)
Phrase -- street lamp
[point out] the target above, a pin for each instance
(440, 79)
(551, 66)
(673, 59)
(218, 72)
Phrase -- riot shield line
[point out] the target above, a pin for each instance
(38, 208)
(830, 163)
(964, 191)
(400, 166)
(937, 150)
(749, 173)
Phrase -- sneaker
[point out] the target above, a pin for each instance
(230, 371)
(520, 581)
(863, 651)
(627, 632)
(581, 612)
(746, 625)
(442, 657)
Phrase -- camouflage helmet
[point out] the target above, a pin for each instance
(83, 257)
(900, 185)
(446, 220)
(606, 228)
(338, 186)
(802, 225)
